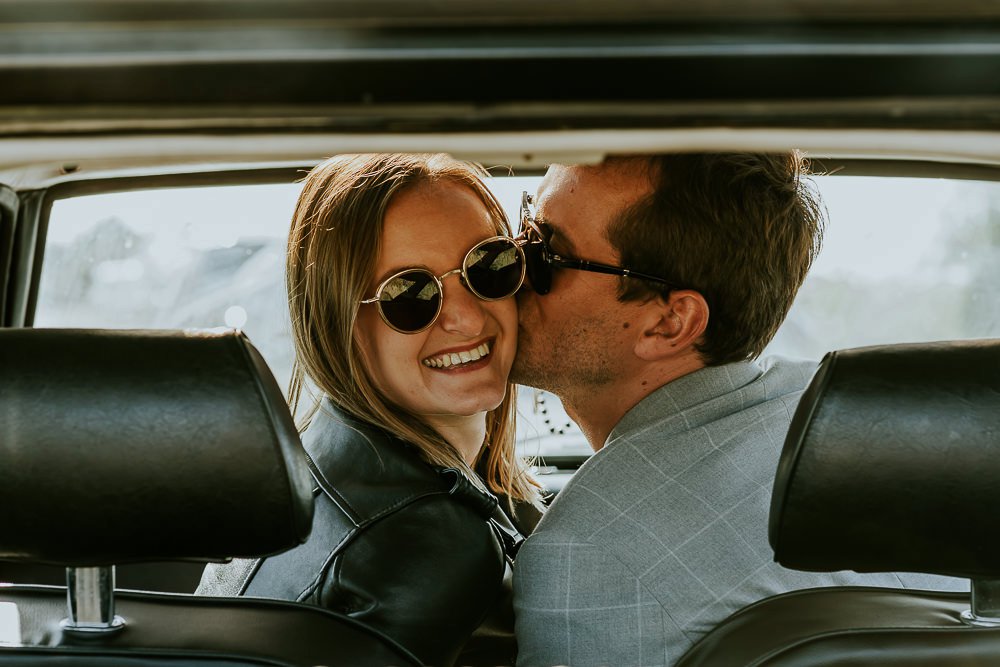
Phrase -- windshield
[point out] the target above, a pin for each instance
(904, 260)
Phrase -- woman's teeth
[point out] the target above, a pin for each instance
(458, 358)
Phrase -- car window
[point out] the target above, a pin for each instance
(905, 259)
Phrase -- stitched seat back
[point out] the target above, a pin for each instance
(137, 446)
(890, 465)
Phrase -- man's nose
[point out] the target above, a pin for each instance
(462, 311)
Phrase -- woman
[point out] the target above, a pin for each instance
(400, 277)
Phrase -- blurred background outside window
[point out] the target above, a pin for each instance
(904, 260)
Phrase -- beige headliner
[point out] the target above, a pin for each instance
(36, 162)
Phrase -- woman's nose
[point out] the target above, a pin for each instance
(462, 311)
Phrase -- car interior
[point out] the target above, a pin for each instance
(150, 153)
(887, 467)
(158, 445)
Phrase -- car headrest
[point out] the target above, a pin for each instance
(892, 463)
(126, 446)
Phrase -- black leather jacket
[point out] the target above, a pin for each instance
(416, 552)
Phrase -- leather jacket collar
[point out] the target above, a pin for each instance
(365, 470)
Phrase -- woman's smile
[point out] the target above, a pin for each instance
(464, 358)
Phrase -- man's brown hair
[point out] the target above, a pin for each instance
(742, 229)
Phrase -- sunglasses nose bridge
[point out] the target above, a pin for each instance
(451, 273)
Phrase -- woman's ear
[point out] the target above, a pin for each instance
(673, 326)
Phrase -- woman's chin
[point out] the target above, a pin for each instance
(468, 404)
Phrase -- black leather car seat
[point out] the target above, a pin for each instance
(133, 446)
(891, 464)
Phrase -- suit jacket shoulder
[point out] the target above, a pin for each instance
(663, 522)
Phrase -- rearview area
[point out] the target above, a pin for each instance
(904, 260)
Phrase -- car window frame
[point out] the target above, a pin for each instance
(9, 205)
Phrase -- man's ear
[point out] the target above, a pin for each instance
(673, 325)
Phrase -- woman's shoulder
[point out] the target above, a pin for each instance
(368, 472)
(344, 448)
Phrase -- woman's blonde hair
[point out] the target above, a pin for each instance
(333, 247)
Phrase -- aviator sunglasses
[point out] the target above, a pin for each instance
(541, 260)
(409, 301)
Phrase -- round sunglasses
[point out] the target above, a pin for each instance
(409, 301)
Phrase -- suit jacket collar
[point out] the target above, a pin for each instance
(698, 397)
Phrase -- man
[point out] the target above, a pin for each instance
(663, 532)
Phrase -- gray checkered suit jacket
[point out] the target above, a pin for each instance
(663, 533)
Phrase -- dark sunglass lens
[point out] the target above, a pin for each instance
(410, 301)
(496, 269)
(539, 271)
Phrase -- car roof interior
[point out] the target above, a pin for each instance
(119, 84)
(112, 95)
